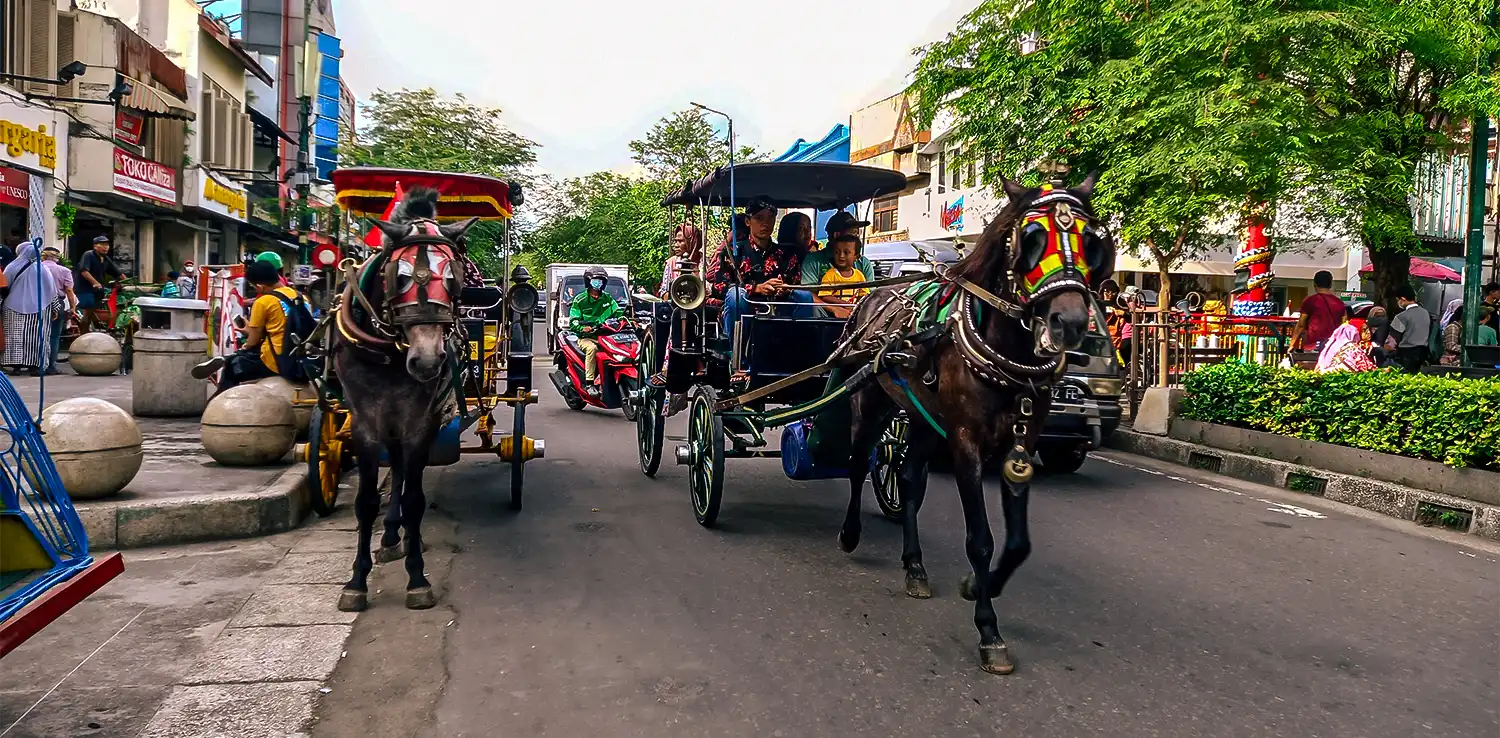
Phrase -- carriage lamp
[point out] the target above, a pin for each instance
(687, 292)
(1105, 386)
(522, 298)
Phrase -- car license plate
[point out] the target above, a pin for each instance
(1067, 393)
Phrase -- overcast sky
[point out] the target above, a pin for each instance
(584, 77)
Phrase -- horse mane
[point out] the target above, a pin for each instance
(991, 255)
(418, 204)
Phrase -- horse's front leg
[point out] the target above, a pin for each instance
(355, 596)
(868, 424)
(390, 542)
(419, 594)
(912, 486)
(979, 544)
(1017, 536)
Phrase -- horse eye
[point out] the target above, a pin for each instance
(1033, 244)
(1094, 250)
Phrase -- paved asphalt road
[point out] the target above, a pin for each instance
(1151, 606)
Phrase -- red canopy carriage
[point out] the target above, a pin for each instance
(369, 191)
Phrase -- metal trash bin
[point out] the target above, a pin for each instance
(162, 384)
(171, 313)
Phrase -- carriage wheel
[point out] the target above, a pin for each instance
(706, 446)
(517, 466)
(890, 455)
(325, 461)
(649, 425)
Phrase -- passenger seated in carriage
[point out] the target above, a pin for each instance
(761, 272)
(265, 344)
(846, 250)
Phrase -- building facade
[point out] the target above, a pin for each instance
(884, 134)
(34, 155)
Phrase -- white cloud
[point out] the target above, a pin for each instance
(584, 77)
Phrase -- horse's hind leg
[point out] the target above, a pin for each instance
(390, 542)
(355, 596)
(968, 470)
(419, 594)
(912, 486)
(868, 423)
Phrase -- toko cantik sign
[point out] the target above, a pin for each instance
(145, 178)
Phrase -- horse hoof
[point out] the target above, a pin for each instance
(420, 598)
(966, 589)
(387, 554)
(995, 660)
(848, 543)
(918, 589)
(351, 600)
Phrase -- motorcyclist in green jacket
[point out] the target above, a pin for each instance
(589, 311)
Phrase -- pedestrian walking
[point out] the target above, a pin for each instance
(65, 302)
(1413, 331)
(95, 269)
(28, 319)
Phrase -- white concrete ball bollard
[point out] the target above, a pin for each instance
(95, 445)
(294, 394)
(248, 425)
(94, 354)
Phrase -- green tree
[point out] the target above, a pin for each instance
(419, 129)
(606, 218)
(684, 146)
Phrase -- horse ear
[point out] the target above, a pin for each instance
(455, 231)
(1087, 187)
(394, 232)
(1013, 189)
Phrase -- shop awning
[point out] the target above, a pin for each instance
(148, 100)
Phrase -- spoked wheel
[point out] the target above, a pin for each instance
(628, 385)
(325, 461)
(890, 455)
(706, 456)
(517, 466)
(649, 425)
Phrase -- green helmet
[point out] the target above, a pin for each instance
(270, 257)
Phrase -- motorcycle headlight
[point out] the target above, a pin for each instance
(1106, 386)
(687, 292)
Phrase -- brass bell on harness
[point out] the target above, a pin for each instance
(1018, 468)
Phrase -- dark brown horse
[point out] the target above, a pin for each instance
(394, 352)
(981, 380)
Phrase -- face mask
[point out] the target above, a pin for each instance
(597, 284)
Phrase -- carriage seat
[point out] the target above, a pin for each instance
(487, 303)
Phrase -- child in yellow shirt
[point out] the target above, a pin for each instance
(845, 250)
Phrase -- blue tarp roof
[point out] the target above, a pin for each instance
(805, 151)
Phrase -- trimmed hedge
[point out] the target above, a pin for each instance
(1454, 421)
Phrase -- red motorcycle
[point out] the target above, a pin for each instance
(618, 372)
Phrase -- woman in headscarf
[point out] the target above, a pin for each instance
(1344, 352)
(28, 319)
(1452, 313)
(687, 246)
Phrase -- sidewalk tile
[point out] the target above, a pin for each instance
(274, 710)
(313, 568)
(293, 604)
(328, 541)
(242, 655)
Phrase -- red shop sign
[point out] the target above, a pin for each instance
(128, 126)
(144, 177)
(15, 187)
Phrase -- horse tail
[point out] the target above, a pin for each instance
(419, 203)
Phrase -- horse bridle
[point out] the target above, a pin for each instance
(422, 277)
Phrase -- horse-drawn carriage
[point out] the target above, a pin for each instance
(492, 345)
(769, 371)
(964, 357)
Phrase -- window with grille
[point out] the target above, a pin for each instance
(884, 219)
(28, 29)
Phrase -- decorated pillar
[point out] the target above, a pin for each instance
(1252, 272)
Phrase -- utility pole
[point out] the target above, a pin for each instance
(1479, 155)
(303, 177)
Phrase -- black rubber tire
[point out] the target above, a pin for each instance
(573, 400)
(627, 386)
(650, 429)
(890, 454)
(1062, 458)
(517, 467)
(706, 473)
(322, 495)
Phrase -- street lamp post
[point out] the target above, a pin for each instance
(707, 109)
(1479, 154)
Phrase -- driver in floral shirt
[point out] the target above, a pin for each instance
(762, 271)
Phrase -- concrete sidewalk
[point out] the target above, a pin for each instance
(228, 639)
(180, 494)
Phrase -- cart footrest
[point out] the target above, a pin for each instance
(57, 600)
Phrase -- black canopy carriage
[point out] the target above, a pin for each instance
(495, 330)
(783, 378)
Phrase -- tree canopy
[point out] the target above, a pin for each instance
(683, 146)
(419, 129)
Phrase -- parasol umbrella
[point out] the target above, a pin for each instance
(1421, 269)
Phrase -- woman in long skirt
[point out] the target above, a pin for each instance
(27, 320)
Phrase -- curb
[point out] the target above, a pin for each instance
(276, 508)
(1386, 498)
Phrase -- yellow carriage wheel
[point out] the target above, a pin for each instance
(325, 460)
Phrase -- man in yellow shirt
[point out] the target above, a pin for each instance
(265, 333)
